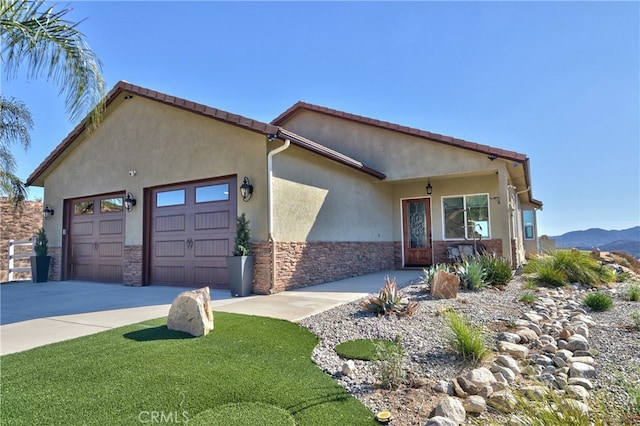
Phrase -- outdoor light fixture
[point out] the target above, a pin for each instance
(246, 189)
(429, 187)
(129, 202)
(492, 157)
(47, 212)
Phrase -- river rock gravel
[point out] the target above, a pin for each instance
(429, 363)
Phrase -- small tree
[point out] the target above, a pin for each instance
(242, 245)
(40, 243)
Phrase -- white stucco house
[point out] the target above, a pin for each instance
(334, 195)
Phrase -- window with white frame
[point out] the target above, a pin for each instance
(466, 216)
(527, 222)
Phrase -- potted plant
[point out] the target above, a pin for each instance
(240, 265)
(41, 261)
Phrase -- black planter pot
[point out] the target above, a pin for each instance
(40, 268)
(240, 270)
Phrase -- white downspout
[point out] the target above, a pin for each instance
(272, 241)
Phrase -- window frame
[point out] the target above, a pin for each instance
(532, 225)
(466, 220)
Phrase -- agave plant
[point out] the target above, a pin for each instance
(472, 274)
(390, 301)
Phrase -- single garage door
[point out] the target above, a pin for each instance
(96, 238)
(192, 233)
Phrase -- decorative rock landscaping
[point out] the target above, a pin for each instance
(552, 345)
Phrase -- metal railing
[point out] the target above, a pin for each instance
(21, 254)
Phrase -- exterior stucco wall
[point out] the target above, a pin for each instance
(316, 199)
(164, 145)
(397, 155)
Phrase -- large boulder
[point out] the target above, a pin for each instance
(445, 285)
(191, 312)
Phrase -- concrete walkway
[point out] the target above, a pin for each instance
(37, 314)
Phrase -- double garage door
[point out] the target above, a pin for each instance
(189, 234)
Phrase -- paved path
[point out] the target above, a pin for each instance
(36, 314)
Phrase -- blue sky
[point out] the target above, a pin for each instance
(558, 81)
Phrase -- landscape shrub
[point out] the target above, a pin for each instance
(528, 297)
(389, 365)
(568, 266)
(548, 275)
(472, 274)
(633, 292)
(390, 301)
(498, 269)
(464, 338)
(622, 276)
(598, 301)
(554, 409)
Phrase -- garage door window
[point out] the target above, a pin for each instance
(111, 205)
(82, 208)
(170, 198)
(206, 194)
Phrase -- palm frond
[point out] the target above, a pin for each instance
(51, 46)
(15, 123)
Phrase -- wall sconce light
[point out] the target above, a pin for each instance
(429, 187)
(492, 157)
(497, 198)
(47, 212)
(246, 189)
(129, 202)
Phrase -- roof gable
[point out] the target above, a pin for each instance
(447, 140)
(204, 110)
(491, 152)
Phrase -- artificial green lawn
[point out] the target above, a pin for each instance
(131, 374)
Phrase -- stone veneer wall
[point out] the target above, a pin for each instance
(302, 264)
(440, 248)
(17, 225)
(132, 265)
(55, 268)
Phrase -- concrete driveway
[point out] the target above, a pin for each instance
(36, 314)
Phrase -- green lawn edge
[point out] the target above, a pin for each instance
(130, 374)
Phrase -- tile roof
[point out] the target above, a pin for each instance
(204, 110)
(448, 140)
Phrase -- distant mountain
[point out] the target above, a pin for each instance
(627, 240)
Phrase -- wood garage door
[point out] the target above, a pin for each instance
(192, 233)
(96, 238)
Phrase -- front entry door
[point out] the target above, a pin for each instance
(416, 224)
